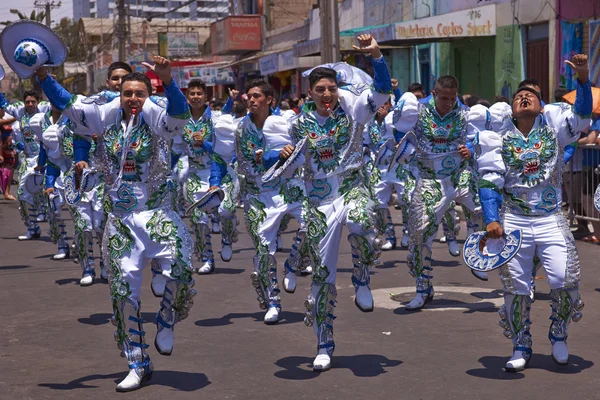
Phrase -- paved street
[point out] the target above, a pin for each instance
(57, 341)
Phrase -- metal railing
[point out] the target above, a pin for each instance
(580, 180)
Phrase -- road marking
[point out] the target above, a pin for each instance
(382, 298)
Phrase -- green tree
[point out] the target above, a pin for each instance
(39, 17)
(68, 30)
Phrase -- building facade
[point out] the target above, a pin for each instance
(208, 10)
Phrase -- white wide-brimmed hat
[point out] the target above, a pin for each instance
(495, 252)
(28, 45)
(286, 169)
(34, 182)
(1, 72)
(208, 202)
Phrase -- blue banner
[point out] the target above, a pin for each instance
(572, 43)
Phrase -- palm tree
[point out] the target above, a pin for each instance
(38, 17)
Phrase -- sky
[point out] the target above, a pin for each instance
(26, 6)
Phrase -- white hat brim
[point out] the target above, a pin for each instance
(1, 73)
(14, 33)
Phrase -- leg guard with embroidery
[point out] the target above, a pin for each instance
(264, 281)
(130, 340)
(514, 318)
(293, 263)
(320, 315)
(204, 248)
(364, 256)
(566, 307)
(419, 262)
(385, 226)
(175, 306)
(29, 217)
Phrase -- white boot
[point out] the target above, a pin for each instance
(322, 362)
(289, 282)
(132, 381)
(86, 280)
(453, 248)
(308, 270)
(63, 253)
(443, 239)
(41, 217)
(560, 352)
(483, 276)
(216, 227)
(31, 234)
(158, 284)
(272, 315)
(103, 273)
(206, 269)
(387, 246)
(364, 299)
(419, 301)
(279, 242)
(405, 240)
(165, 338)
(518, 362)
(226, 252)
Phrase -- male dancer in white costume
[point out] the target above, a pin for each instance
(52, 162)
(521, 167)
(334, 123)
(31, 205)
(141, 223)
(196, 144)
(257, 142)
(443, 129)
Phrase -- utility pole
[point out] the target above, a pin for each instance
(326, 31)
(121, 29)
(336, 32)
(330, 31)
(47, 6)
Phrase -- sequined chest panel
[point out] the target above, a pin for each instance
(32, 146)
(376, 134)
(249, 141)
(327, 142)
(138, 154)
(198, 157)
(440, 135)
(533, 177)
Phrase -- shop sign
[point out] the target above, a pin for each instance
(210, 75)
(268, 64)
(178, 44)
(474, 22)
(235, 35)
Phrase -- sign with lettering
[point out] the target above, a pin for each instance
(474, 22)
(268, 64)
(236, 35)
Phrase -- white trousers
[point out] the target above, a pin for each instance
(132, 240)
(551, 240)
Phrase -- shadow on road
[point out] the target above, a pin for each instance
(104, 318)
(493, 367)
(228, 271)
(363, 365)
(448, 303)
(75, 281)
(390, 264)
(11, 267)
(287, 317)
(442, 263)
(185, 381)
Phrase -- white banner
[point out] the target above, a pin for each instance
(269, 64)
(474, 22)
